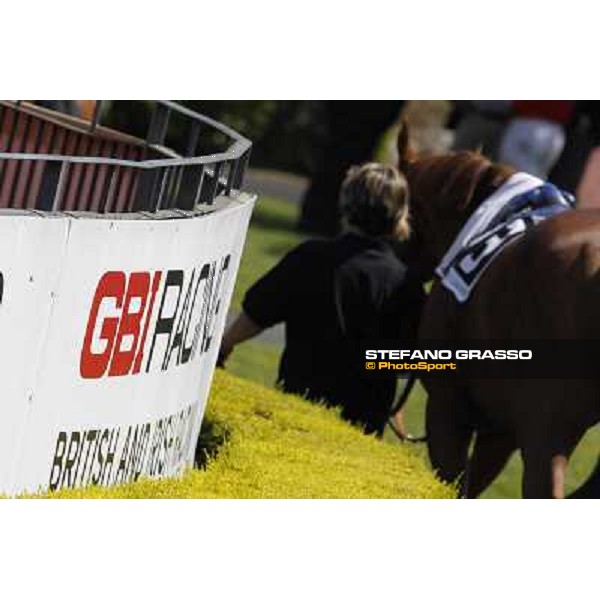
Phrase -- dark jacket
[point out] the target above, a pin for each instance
(334, 296)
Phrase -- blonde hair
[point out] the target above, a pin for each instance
(374, 199)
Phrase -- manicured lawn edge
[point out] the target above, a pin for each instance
(281, 446)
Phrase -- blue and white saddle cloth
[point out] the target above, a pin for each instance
(522, 202)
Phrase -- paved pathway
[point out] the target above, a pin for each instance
(288, 187)
(276, 183)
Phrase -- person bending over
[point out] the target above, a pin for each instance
(333, 295)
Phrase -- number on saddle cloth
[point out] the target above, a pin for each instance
(513, 219)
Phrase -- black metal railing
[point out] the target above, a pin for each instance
(51, 162)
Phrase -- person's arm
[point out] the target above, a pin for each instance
(243, 328)
(265, 304)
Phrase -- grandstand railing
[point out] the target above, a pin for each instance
(53, 162)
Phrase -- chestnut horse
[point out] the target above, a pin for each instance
(545, 285)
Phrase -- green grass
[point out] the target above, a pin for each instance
(257, 361)
(508, 483)
(281, 446)
(272, 234)
(277, 445)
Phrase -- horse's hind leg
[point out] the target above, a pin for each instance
(546, 452)
(545, 469)
(448, 434)
(539, 474)
(490, 454)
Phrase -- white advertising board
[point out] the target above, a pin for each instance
(110, 335)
